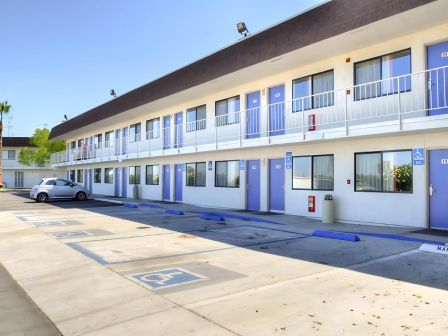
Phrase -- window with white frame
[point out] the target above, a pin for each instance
(196, 174)
(227, 174)
(313, 91)
(153, 128)
(8, 155)
(227, 111)
(196, 118)
(388, 171)
(109, 175)
(313, 172)
(374, 77)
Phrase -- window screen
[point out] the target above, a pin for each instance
(152, 175)
(196, 174)
(226, 111)
(196, 118)
(381, 70)
(134, 175)
(313, 172)
(227, 174)
(109, 175)
(384, 171)
(316, 91)
(153, 128)
(97, 175)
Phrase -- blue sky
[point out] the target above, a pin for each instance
(63, 57)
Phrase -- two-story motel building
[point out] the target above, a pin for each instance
(355, 91)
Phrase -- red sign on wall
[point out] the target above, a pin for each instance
(311, 204)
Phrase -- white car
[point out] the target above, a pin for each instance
(55, 188)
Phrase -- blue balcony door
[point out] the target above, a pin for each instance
(117, 142)
(166, 132)
(86, 180)
(253, 185)
(178, 183)
(277, 185)
(125, 182)
(438, 172)
(166, 182)
(437, 79)
(91, 180)
(117, 182)
(277, 111)
(124, 141)
(253, 115)
(179, 133)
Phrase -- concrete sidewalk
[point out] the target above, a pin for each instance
(18, 315)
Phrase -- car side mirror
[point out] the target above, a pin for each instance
(72, 185)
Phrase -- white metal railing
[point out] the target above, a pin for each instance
(414, 95)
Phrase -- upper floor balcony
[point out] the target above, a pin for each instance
(413, 102)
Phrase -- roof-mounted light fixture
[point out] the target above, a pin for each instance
(242, 29)
(112, 93)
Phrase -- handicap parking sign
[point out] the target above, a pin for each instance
(70, 234)
(167, 277)
(419, 156)
(288, 160)
(46, 224)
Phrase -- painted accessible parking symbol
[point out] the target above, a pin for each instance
(46, 224)
(70, 234)
(167, 277)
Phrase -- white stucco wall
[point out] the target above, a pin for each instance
(408, 209)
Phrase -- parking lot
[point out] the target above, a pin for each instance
(98, 268)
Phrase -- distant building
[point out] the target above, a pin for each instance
(16, 175)
(349, 98)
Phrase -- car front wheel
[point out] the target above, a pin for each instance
(42, 198)
(80, 196)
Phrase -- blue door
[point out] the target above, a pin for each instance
(91, 180)
(178, 183)
(117, 143)
(166, 132)
(253, 115)
(166, 182)
(438, 173)
(277, 111)
(437, 79)
(277, 185)
(124, 141)
(86, 180)
(179, 131)
(125, 181)
(253, 185)
(117, 182)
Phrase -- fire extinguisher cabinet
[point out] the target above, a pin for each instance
(328, 209)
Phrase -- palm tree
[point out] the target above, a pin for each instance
(4, 109)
